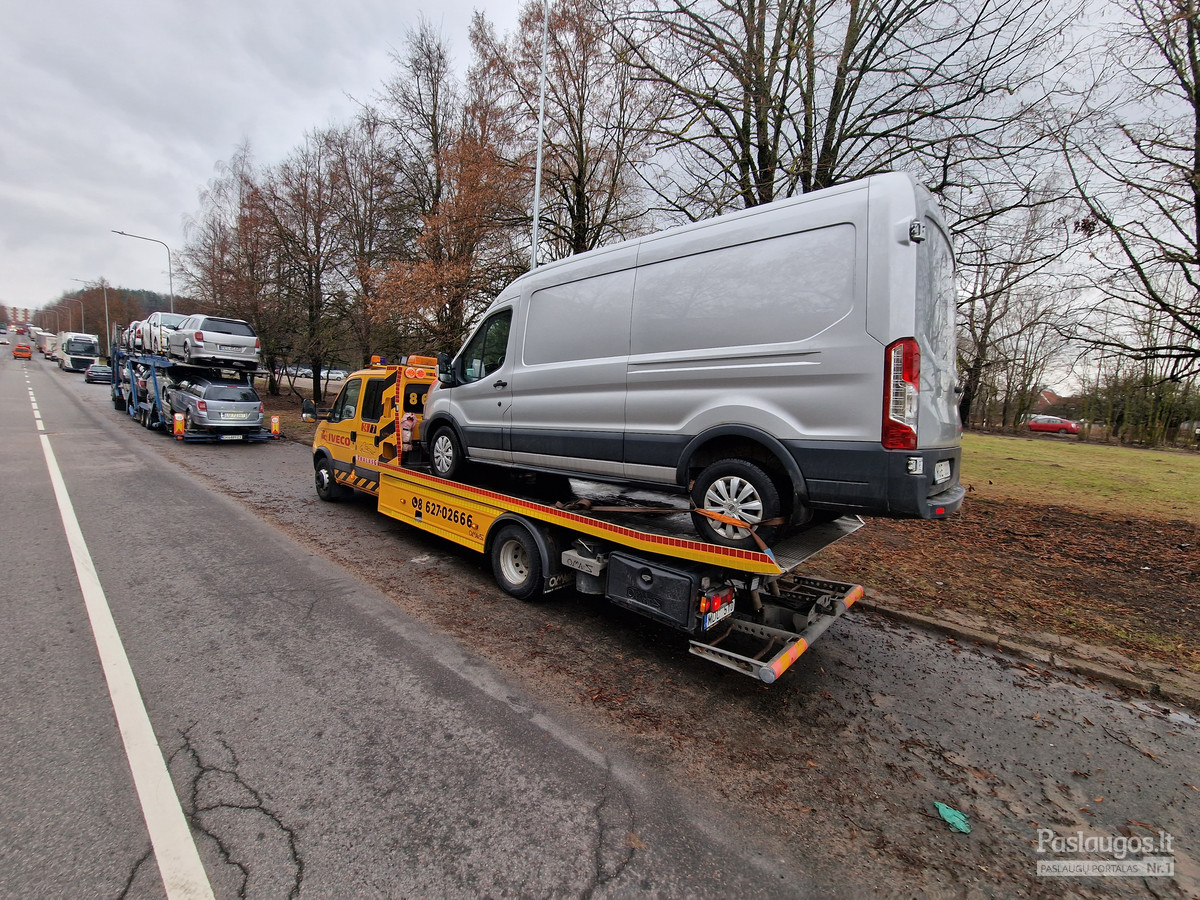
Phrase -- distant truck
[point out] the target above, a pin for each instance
(76, 351)
(46, 343)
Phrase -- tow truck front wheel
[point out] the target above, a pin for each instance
(328, 489)
(516, 563)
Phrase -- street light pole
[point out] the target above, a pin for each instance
(170, 277)
(82, 325)
(107, 326)
(537, 175)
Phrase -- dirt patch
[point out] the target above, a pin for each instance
(1128, 583)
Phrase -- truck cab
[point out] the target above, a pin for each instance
(376, 413)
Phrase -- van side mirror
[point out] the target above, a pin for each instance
(446, 370)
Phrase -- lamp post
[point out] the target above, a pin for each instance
(537, 175)
(82, 326)
(107, 327)
(170, 277)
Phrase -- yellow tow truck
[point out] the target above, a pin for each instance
(743, 609)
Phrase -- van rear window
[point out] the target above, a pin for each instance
(778, 290)
(228, 326)
(231, 394)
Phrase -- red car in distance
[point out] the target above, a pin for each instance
(1052, 424)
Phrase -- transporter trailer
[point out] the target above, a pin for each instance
(743, 609)
(140, 386)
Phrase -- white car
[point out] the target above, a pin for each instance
(157, 328)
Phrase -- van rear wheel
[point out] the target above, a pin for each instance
(736, 489)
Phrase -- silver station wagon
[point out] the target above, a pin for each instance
(212, 340)
(220, 407)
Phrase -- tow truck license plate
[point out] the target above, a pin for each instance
(231, 437)
(941, 471)
(711, 619)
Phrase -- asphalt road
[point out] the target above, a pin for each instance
(321, 742)
(349, 708)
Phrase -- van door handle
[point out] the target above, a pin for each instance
(500, 385)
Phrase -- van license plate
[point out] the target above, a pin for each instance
(711, 619)
(231, 437)
(941, 471)
(227, 347)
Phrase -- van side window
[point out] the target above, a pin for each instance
(372, 405)
(585, 319)
(778, 290)
(488, 348)
(347, 401)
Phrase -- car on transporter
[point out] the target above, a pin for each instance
(216, 406)
(215, 341)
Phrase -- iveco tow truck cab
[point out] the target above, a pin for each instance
(353, 435)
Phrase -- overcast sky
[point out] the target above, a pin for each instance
(114, 115)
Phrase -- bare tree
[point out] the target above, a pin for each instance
(779, 97)
(1137, 169)
(300, 202)
(372, 214)
(1014, 245)
(462, 197)
(230, 259)
(598, 119)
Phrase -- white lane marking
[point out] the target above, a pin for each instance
(178, 860)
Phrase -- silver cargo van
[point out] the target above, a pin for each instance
(790, 362)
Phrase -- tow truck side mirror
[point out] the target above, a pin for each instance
(310, 413)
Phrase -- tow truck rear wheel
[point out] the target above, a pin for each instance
(516, 562)
(327, 488)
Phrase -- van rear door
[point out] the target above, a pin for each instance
(938, 423)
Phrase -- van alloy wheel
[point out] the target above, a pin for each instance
(738, 489)
(446, 454)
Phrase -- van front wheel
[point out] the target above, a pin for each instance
(740, 490)
(445, 454)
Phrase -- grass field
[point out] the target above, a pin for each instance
(1096, 478)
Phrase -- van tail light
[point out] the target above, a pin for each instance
(901, 393)
(202, 406)
(199, 336)
(260, 409)
(257, 344)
